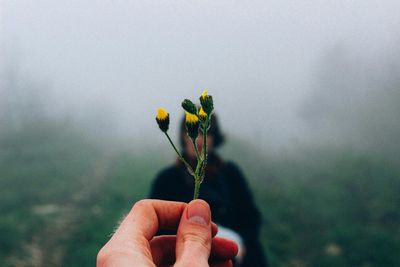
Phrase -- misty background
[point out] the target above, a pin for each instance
(311, 90)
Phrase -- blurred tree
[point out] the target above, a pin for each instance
(355, 101)
(21, 101)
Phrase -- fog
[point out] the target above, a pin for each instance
(307, 92)
(274, 68)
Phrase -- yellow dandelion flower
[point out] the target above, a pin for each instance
(162, 114)
(162, 119)
(206, 102)
(192, 125)
(202, 114)
(192, 119)
(204, 94)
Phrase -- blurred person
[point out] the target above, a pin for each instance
(224, 188)
(134, 243)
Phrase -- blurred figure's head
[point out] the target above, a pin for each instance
(214, 138)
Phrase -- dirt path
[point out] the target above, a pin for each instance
(45, 248)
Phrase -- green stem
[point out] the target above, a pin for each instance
(179, 155)
(196, 187)
(196, 149)
(201, 161)
(197, 173)
(204, 163)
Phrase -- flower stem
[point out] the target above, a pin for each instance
(204, 163)
(180, 156)
(196, 187)
(197, 150)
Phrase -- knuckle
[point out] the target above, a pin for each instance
(194, 239)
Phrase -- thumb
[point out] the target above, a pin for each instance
(193, 241)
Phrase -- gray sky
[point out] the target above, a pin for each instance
(257, 58)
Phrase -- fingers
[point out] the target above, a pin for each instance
(148, 216)
(130, 243)
(194, 235)
(163, 250)
(223, 249)
(214, 229)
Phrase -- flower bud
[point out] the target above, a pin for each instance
(206, 102)
(162, 119)
(189, 106)
(202, 115)
(192, 125)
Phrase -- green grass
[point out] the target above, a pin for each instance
(344, 201)
(37, 168)
(129, 181)
(321, 207)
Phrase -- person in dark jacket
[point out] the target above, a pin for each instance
(224, 188)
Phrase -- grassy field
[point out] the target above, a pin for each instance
(62, 194)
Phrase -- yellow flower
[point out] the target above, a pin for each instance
(192, 119)
(192, 125)
(162, 114)
(162, 119)
(206, 102)
(204, 94)
(202, 114)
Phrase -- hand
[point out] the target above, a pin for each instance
(134, 244)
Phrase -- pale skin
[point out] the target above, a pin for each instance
(135, 244)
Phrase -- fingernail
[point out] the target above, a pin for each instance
(198, 213)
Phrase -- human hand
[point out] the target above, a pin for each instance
(134, 243)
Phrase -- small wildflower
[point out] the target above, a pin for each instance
(206, 102)
(192, 125)
(194, 120)
(189, 106)
(162, 119)
(202, 115)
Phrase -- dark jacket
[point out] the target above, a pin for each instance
(226, 191)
